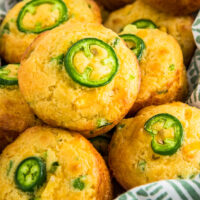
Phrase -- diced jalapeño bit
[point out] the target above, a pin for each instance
(180, 177)
(31, 8)
(30, 174)
(172, 67)
(102, 122)
(136, 42)
(167, 133)
(79, 183)
(90, 47)
(8, 74)
(142, 165)
(10, 167)
(115, 42)
(59, 59)
(144, 23)
(54, 167)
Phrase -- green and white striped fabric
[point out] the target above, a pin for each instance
(168, 189)
(165, 190)
(5, 5)
(193, 72)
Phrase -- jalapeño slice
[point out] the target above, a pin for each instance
(31, 7)
(144, 23)
(30, 174)
(85, 77)
(139, 45)
(8, 74)
(160, 124)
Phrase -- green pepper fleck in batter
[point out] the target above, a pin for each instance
(102, 122)
(78, 183)
(142, 165)
(10, 167)
(54, 167)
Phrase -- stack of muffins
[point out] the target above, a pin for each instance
(71, 85)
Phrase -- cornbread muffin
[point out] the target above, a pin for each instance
(180, 7)
(179, 27)
(28, 18)
(86, 80)
(160, 142)
(163, 74)
(48, 163)
(114, 4)
(15, 114)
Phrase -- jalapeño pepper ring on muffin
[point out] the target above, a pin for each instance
(30, 173)
(159, 143)
(86, 81)
(168, 146)
(144, 23)
(138, 44)
(49, 163)
(8, 75)
(29, 18)
(140, 13)
(163, 74)
(31, 7)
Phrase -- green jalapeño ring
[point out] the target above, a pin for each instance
(8, 74)
(30, 7)
(84, 78)
(30, 174)
(138, 42)
(167, 146)
(144, 23)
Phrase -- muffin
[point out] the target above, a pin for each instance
(159, 143)
(29, 18)
(163, 74)
(15, 114)
(114, 4)
(180, 7)
(48, 163)
(86, 80)
(179, 27)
